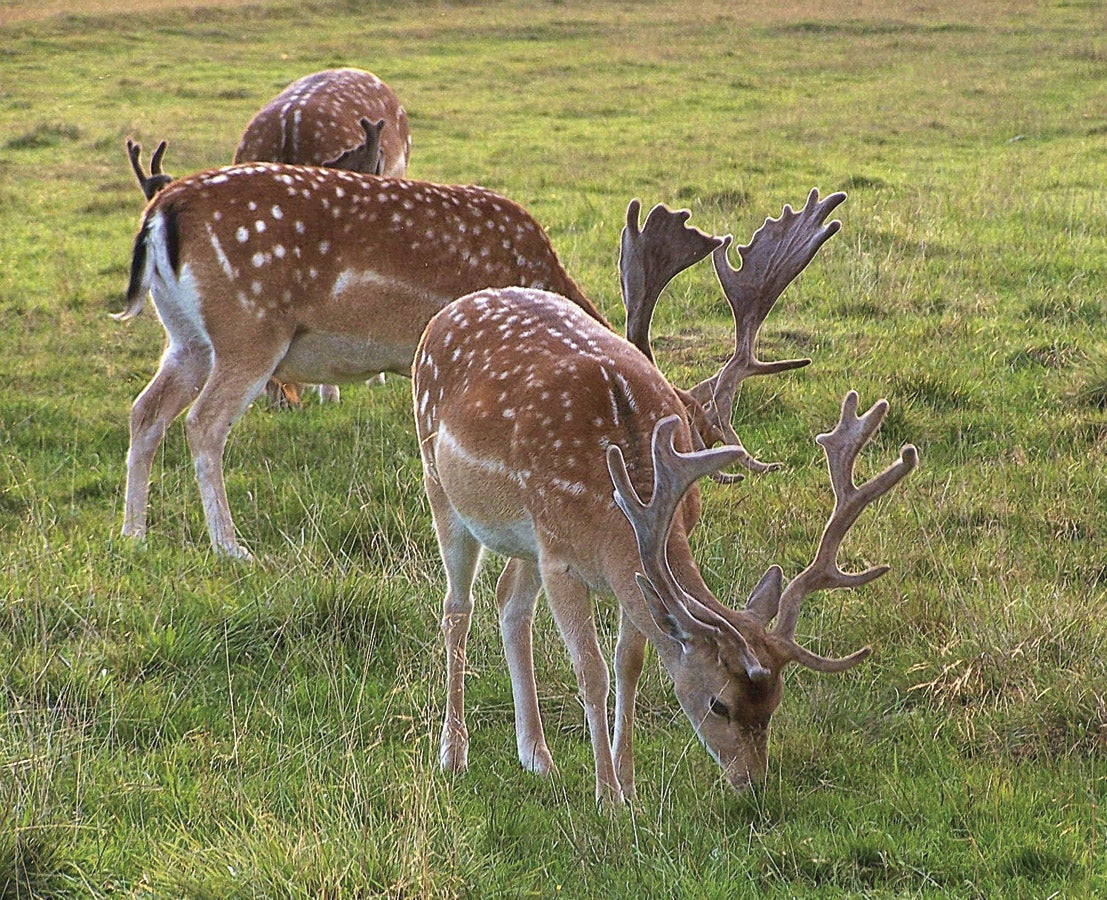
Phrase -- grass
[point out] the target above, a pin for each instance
(173, 724)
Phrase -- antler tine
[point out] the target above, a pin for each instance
(157, 179)
(778, 251)
(650, 257)
(155, 160)
(365, 157)
(673, 474)
(841, 447)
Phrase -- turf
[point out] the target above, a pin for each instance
(174, 724)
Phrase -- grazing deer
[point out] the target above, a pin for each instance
(312, 275)
(323, 119)
(519, 397)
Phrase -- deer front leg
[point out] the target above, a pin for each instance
(516, 592)
(630, 653)
(572, 610)
(175, 385)
(460, 555)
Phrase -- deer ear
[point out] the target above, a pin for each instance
(764, 600)
(664, 617)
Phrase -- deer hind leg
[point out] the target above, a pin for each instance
(225, 396)
(460, 556)
(572, 610)
(630, 653)
(176, 384)
(516, 592)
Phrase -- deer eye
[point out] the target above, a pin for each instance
(719, 708)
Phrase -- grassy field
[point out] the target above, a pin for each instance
(175, 724)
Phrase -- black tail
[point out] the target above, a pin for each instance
(138, 285)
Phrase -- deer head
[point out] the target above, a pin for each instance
(726, 665)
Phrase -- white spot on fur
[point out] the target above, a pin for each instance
(220, 255)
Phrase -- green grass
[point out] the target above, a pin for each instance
(173, 724)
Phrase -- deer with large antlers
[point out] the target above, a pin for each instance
(519, 398)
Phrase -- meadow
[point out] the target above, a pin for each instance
(175, 724)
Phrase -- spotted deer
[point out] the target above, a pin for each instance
(324, 119)
(311, 275)
(528, 413)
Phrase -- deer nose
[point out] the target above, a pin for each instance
(739, 778)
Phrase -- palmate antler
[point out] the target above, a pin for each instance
(650, 257)
(157, 179)
(673, 474)
(778, 251)
(841, 447)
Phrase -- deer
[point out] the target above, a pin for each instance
(325, 119)
(540, 431)
(522, 477)
(307, 274)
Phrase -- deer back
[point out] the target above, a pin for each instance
(317, 118)
(290, 250)
(518, 394)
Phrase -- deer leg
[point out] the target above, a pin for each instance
(224, 398)
(630, 653)
(516, 592)
(175, 385)
(460, 555)
(572, 610)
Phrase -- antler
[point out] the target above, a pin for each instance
(366, 157)
(650, 257)
(778, 251)
(841, 447)
(157, 179)
(673, 474)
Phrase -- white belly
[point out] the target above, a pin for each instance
(322, 358)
